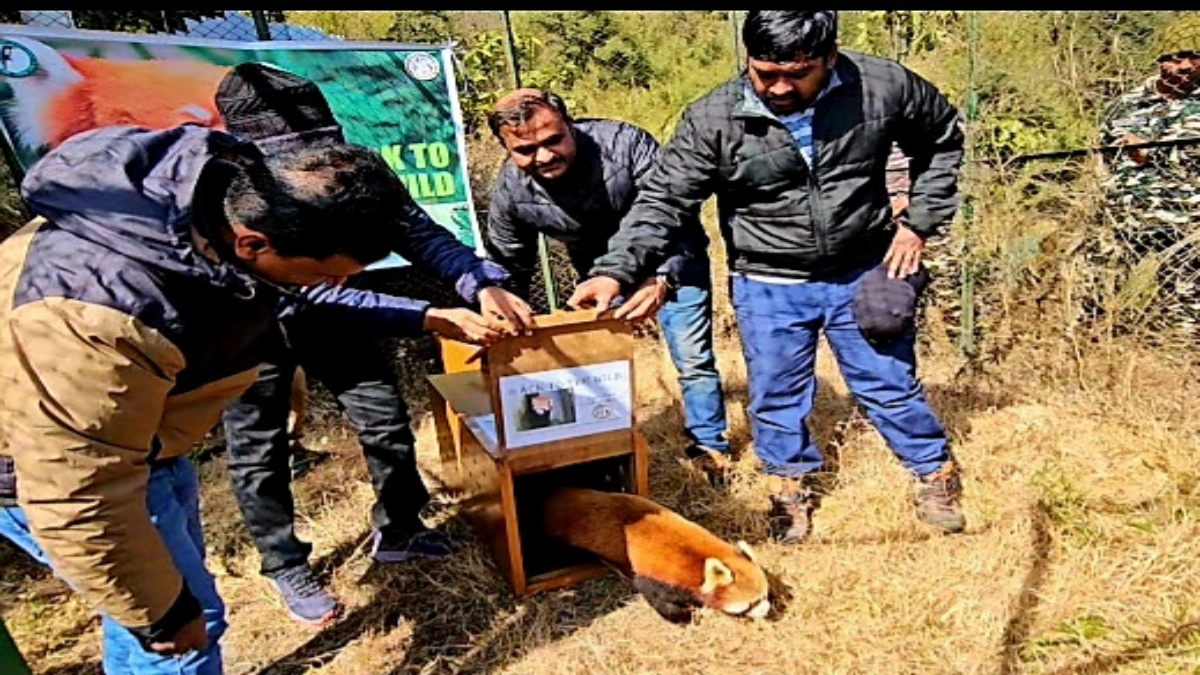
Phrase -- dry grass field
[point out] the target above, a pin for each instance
(1080, 445)
(1083, 495)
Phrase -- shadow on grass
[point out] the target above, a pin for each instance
(464, 618)
(1020, 624)
(1153, 645)
(93, 668)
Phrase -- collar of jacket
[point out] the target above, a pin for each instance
(212, 249)
(750, 105)
(206, 233)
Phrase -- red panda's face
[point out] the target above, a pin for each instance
(736, 584)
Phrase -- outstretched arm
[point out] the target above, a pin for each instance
(429, 245)
(673, 189)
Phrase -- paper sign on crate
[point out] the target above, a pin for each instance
(565, 403)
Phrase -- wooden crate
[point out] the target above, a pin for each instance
(501, 485)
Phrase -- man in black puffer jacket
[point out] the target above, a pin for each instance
(795, 149)
(573, 180)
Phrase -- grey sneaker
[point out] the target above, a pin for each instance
(937, 499)
(793, 501)
(305, 596)
(392, 547)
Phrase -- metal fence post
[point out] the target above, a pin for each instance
(737, 41)
(966, 338)
(260, 24)
(510, 44)
(510, 41)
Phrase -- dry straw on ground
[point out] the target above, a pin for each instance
(1079, 557)
(1082, 459)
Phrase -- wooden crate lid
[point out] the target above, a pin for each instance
(564, 345)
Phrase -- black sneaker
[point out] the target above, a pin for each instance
(389, 547)
(305, 596)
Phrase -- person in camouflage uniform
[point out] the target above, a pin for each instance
(1153, 194)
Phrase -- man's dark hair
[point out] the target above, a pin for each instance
(785, 36)
(515, 108)
(315, 202)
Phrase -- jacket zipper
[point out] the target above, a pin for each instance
(815, 209)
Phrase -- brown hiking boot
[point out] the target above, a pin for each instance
(937, 499)
(793, 501)
(713, 466)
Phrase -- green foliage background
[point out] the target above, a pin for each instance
(1027, 82)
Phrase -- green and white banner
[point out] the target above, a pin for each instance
(400, 99)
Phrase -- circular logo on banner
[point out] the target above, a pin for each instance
(16, 60)
(422, 66)
(603, 411)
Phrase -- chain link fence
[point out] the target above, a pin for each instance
(1136, 236)
(48, 19)
(414, 357)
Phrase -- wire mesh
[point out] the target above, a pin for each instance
(48, 19)
(1151, 261)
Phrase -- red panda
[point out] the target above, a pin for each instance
(68, 94)
(676, 564)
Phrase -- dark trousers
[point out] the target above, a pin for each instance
(356, 372)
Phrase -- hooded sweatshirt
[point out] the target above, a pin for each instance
(120, 344)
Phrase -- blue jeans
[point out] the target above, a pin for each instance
(173, 499)
(780, 324)
(686, 321)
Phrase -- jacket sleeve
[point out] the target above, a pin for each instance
(644, 152)
(668, 194)
(90, 385)
(510, 242)
(427, 244)
(378, 314)
(932, 136)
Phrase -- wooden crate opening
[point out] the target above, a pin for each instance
(576, 370)
(543, 555)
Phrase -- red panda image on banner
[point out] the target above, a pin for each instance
(69, 94)
(676, 564)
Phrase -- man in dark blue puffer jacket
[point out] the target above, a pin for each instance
(277, 110)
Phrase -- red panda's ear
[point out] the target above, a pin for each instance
(747, 551)
(716, 574)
